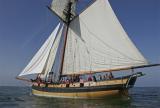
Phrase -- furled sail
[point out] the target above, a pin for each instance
(97, 41)
(60, 7)
(43, 56)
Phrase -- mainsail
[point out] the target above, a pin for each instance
(44, 58)
(97, 41)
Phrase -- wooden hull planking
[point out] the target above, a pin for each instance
(83, 95)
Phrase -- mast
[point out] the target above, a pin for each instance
(68, 16)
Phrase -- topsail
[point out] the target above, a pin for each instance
(60, 8)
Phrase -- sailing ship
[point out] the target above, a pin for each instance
(82, 53)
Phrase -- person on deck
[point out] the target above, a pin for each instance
(104, 77)
(77, 78)
(111, 75)
(89, 78)
(100, 77)
(94, 78)
(107, 77)
(39, 81)
(62, 80)
(67, 83)
(81, 82)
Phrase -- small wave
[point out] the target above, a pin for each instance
(19, 99)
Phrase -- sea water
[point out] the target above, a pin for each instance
(21, 97)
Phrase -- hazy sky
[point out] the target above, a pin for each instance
(25, 24)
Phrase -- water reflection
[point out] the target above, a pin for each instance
(18, 97)
(110, 102)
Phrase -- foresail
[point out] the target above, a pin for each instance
(60, 8)
(53, 52)
(38, 62)
(97, 41)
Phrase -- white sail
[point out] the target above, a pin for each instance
(97, 42)
(60, 7)
(38, 62)
(52, 54)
